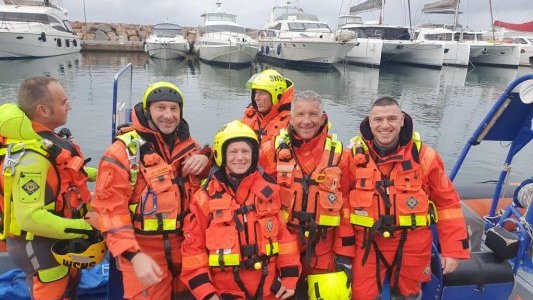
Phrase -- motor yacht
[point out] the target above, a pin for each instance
(293, 37)
(35, 29)
(222, 40)
(166, 42)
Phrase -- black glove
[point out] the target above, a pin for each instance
(93, 235)
(344, 263)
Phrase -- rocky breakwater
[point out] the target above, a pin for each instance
(111, 37)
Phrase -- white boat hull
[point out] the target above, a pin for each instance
(25, 44)
(366, 52)
(456, 54)
(526, 55)
(305, 50)
(416, 53)
(493, 54)
(167, 50)
(227, 53)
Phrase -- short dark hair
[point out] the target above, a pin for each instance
(385, 101)
(32, 91)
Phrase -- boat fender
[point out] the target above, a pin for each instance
(75, 43)
(42, 38)
(278, 50)
(267, 49)
(58, 41)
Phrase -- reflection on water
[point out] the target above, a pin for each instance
(446, 104)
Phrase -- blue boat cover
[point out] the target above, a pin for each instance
(93, 283)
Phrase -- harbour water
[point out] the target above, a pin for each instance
(446, 104)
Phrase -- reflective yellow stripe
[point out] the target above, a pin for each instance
(285, 215)
(52, 274)
(229, 260)
(326, 220)
(361, 220)
(8, 180)
(152, 224)
(274, 248)
(407, 220)
(133, 207)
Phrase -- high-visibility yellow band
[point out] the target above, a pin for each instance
(408, 221)
(326, 220)
(274, 247)
(52, 274)
(228, 259)
(152, 224)
(361, 220)
(285, 215)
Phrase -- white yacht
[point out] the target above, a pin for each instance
(456, 53)
(166, 42)
(526, 47)
(395, 43)
(293, 37)
(367, 51)
(456, 38)
(35, 29)
(222, 40)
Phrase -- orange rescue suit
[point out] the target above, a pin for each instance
(268, 126)
(391, 210)
(236, 243)
(142, 198)
(313, 189)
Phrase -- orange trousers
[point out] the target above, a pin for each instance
(415, 267)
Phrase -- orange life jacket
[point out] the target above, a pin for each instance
(246, 234)
(309, 198)
(160, 196)
(397, 199)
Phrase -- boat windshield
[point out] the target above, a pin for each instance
(277, 12)
(384, 33)
(306, 26)
(166, 32)
(222, 28)
(439, 36)
(35, 18)
(221, 17)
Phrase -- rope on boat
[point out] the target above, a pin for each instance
(525, 195)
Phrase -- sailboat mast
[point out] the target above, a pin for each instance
(411, 33)
(492, 21)
(456, 15)
(382, 13)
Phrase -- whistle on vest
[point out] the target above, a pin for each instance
(386, 227)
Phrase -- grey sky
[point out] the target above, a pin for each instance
(255, 13)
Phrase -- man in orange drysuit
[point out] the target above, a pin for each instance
(143, 190)
(269, 110)
(237, 245)
(309, 163)
(399, 187)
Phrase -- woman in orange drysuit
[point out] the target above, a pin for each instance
(236, 244)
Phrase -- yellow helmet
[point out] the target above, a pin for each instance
(79, 253)
(330, 286)
(231, 131)
(269, 80)
(162, 91)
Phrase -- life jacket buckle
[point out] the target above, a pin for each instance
(320, 177)
(13, 157)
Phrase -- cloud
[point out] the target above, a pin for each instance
(256, 13)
